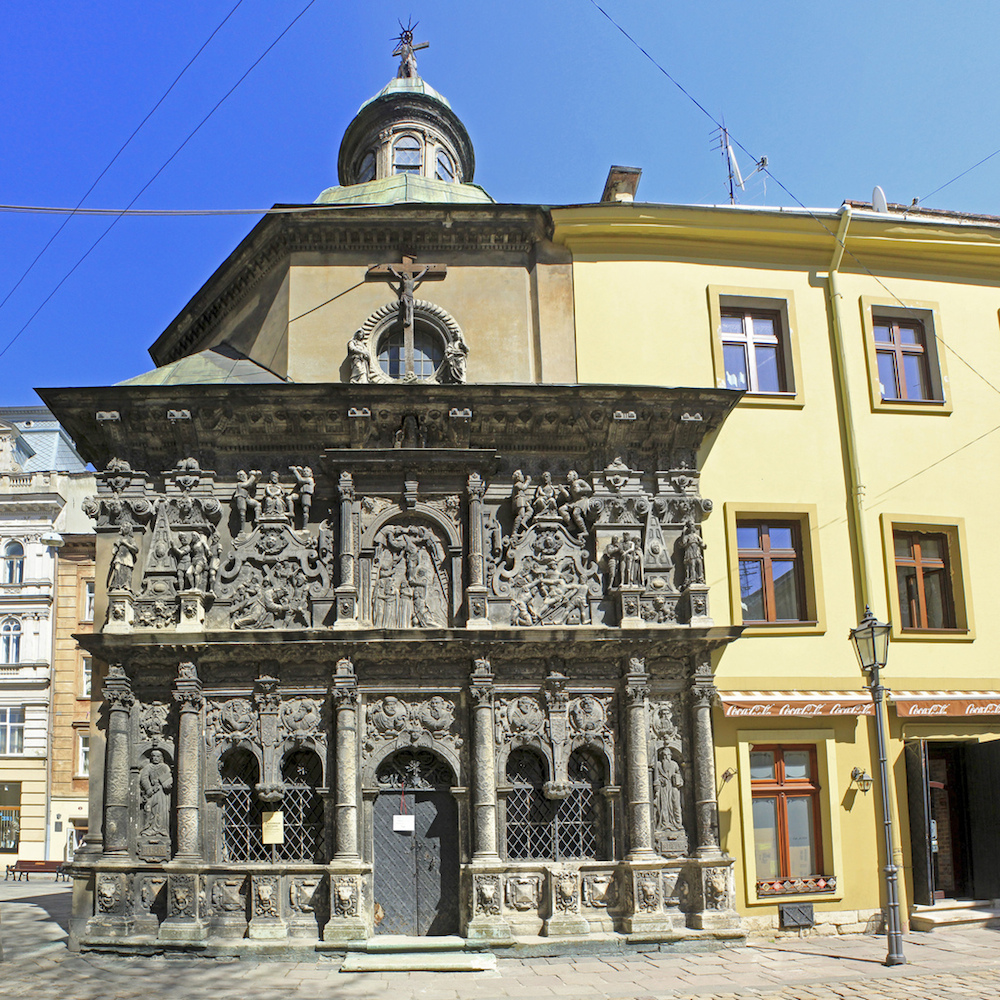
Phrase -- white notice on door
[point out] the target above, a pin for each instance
(403, 823)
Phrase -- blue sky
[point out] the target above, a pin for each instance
(840, 97)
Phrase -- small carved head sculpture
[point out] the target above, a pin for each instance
(156, 756)
(108, 892)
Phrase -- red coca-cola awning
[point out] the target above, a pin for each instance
(794, 704)
(935, 704)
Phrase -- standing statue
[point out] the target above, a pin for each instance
(693, 547)
(123, 562)
(181, 551)
(546, 496)
(307, 486)
(632, 575)
(360, 358)
(243, 497)
(155, 782)
(668, 781)
(520, 503)
(214, 559)
(612, 556)
(453, 366)
(201, 557)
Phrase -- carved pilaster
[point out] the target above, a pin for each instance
(476, 593)
(119, 699)
(347, 590)
(345, 699)
(187, 694)
(268, 701)
(484, 802)
(703, 751)
(637, 755)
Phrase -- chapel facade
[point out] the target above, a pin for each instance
(406, 631)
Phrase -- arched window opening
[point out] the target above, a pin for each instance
(530, 815)
(10, 641)
(366, 172)
(302, 775)
(241, 811)
(444, 167)
(406, 155)
(13, 563)
(428, 353)
(579, 816)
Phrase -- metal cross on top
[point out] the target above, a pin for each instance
(405, 49)
(409, 275)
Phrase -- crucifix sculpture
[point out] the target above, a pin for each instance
(405, 49)
(409, 276)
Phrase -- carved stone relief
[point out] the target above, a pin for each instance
(718, 888)
(523, 892)
(300, 717)
(487, 894)
(156, 781)
(345, 896)
(647, 891)
(666, 757)
(519, 720)
(304, 894)
(566, 890)
(390, 719)
(599, 890)
(229, 896)
(230, 721)
(410, 587)
(182, 896)
(265, 897)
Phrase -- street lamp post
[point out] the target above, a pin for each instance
(871, 642)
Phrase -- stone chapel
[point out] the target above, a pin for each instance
(406, 631)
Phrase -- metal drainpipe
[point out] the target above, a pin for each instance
(857, 488)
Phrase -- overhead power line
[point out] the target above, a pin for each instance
(121, 149)
(166, 163)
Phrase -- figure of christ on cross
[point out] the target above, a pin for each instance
(409, 276)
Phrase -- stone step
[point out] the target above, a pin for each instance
(384, 943)
(952, 904)
(419, 961)
(933, 919)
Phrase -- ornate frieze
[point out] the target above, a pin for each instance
(392, 720)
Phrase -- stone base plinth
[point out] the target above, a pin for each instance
(489, 930)
(653, 924)
(565, 925)
(630, 607)
(267, 930)
(121, 611)
(340, 930)
(192, 611)
(182, 931)
(715, 920)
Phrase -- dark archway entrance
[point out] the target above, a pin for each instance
(416, 863)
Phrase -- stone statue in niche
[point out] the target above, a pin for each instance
(306, 486)
(155, 783)
(411, 586)
(360, 359)
(244, 499)
(668, 782)
(631, 561)
(693, 548)
(123, 561)
(612, 560)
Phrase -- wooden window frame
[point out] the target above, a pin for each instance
(921, 564)
(765, 556)
(749, 340)
(896, 349)
(780, 788)
(399, 168)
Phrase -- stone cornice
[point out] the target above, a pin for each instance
(274, 241)
(230, 425)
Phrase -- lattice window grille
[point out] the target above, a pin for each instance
(241, 812)
(303, 808)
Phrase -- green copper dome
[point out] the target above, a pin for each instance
(407, 85)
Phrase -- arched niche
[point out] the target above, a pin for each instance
(425, 745)
(410, 570)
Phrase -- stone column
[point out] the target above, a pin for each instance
(347, 589)
(478, 615)
(703, 747)
(187, 694)
(119, 699)
(636, 733)
(484, 783)
(345, 699)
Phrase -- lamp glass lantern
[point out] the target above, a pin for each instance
(871, 642)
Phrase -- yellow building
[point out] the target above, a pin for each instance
(858, 469)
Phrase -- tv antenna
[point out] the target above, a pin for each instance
(736, 179)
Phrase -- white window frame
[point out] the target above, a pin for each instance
(83, 755)
(86, 676)
(89, 597)
(9, 727)
(13, 564)
(11, 631)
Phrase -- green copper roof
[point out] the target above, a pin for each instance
(402, 188)
(407, 85)
(218, 365)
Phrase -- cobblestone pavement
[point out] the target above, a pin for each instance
(950, 965)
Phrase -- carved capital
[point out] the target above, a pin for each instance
(189, 699)
(703, 695)
(265, 695)
(345, 486)
(476, 487)
(118, 689)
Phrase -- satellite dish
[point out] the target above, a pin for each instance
(878, 200)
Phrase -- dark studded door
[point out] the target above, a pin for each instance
(416, 873)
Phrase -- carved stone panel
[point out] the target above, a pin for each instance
(392, 720)
(345, 896)
(523, 892)
(599, 891)
(487, 895)
(410, 587)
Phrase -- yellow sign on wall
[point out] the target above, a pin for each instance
(272, 829)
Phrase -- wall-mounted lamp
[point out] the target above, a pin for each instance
(728, 775)
(862, 779)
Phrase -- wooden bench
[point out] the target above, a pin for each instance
(28, 868)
